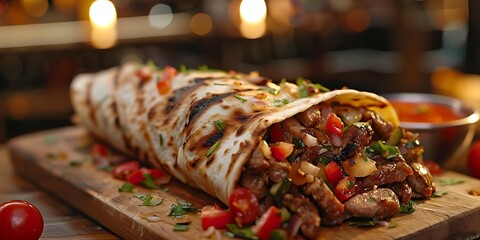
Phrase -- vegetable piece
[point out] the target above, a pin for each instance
(219, 124)
(164, 84)
(279, 189)
(363, 222)
(126, 187)
(142, 174)
(433, 167)
(334, 125)
(123, 170)
(181, 227)
(386, 151)
(269, 221)
(144, 72)
(276, 133)
(240, 232)
(309, 168)
(20, 220)
(334, 173)
(286, 215)
(278, 234)
(148, 199)
(98, 150)
(281, 150)
(474, 159)
(345, 189)
(408, 207)
(395, 137)
(349, 115)
(216, 217)
(450, 181)
(359, 166)
(244, 206)
(212, 149)
(181, 208)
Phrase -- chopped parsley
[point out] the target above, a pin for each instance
(392, 225)
(160, 137)
(383, 150)
(220, 124)
(408, 207)
(363, 222)
(438, 194)
(212, 149)
(306, 88)
(279, 102)
(181, 227)
(240, 232)
(242, 99)
(52, 156)
(148, 199)
(76, 163)
(149, 181)
(450, 181)
(270, 90)
(183, 68)
(181, 208)
(126, 187)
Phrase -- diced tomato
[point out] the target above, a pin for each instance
(98, 150)
(244, 206)
(281, 150)
(276, 133)
(269, 221)
(345, 189)
(216, 217)
(123, 170)
(334, 173)
(144, 73)
(433, 167)
(164, 84)
(138, 176)
(334, 125)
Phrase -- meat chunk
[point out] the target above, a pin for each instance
(354, 139)
(410, 147)
(306, 213)
(310, 117)
(421, 181)
(381, 127)
(255, 181)
(385, 174)
(257, 161)
(331, 210)
(402, 190)
(380, 203)
(278, 170)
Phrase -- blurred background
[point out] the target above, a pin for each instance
(381, 46)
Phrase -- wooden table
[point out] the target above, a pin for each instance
(61, 220)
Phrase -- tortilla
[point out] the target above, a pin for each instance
(176, 131)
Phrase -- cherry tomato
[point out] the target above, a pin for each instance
(98, 150)
(281, 150)
(433, 167)
(276, 133)
(334, 125)
(474, 159)
(216, 217)
(269, 221)
(20, 220)
(345, 189)
(334, 173)
(138, 176)
(164, 84)
(144, 73)
(244, 206)
(123, 170)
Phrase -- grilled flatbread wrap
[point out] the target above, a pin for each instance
(178, 129)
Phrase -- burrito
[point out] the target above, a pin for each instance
(321, 155)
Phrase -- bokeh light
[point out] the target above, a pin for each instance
(253, 11)
(35, 8)
(201, 24)
(358, 20)
(103, 13)
(160, 16)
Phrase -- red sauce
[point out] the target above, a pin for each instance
(424, 112)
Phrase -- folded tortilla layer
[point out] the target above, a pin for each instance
(176, 131)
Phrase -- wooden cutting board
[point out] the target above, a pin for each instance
(55, 160)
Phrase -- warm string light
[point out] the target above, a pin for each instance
(103, 20)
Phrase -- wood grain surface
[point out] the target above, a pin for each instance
(45, 158)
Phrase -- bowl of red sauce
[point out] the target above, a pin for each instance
(446, 125)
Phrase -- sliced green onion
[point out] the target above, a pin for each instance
(242, 99)
(183, 68)
(212, 149)
(160, 136)
(181, 227)
(220, 124)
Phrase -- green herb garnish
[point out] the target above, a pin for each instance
(450, 181)
(160, 137)
(126, 187)
(220, 124)
(383, 150)
(181, 227)
(241, 232)
(412, 144)
(52, 156)
(242, 99)
(183, 68)
(212, 149)
(408, 208)
(438, 194)
(363, 222)
(149, 181)
(392, 225)
(148, 199)
(76, 163)
(181, 208)
(280, 102)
